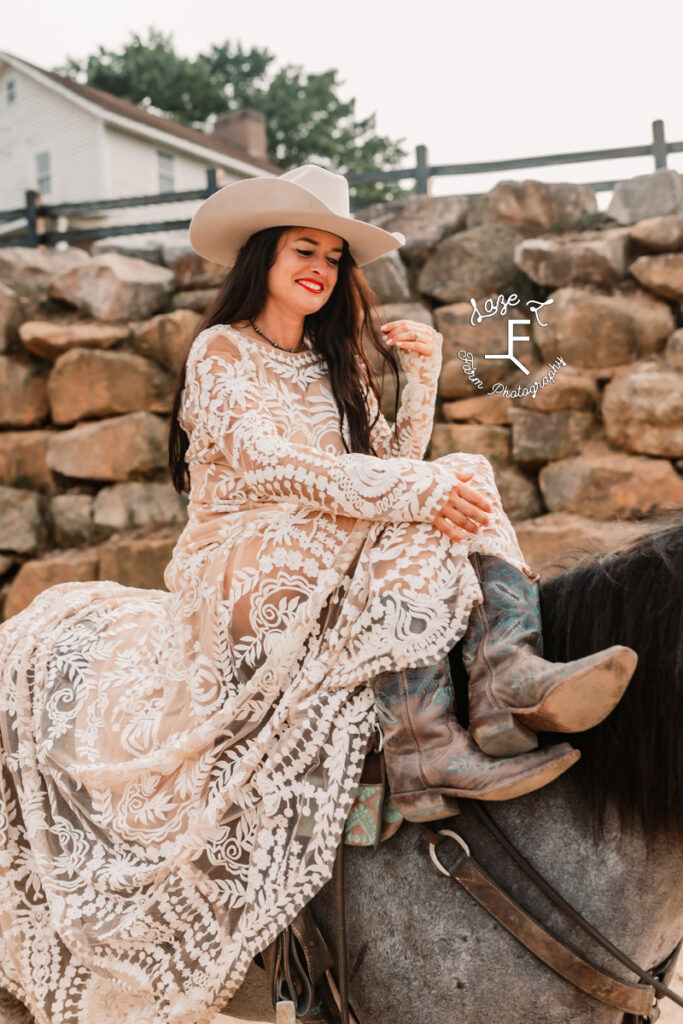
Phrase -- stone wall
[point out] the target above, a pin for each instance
(587, 444)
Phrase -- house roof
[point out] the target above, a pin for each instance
(109, 104)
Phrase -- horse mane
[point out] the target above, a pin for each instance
(634, 596)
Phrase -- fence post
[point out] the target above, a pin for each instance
(32, 198)
(658, 144)
(211, 185)
(422, 171)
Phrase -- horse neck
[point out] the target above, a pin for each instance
(626, 883)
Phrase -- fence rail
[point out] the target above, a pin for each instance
(421, 174)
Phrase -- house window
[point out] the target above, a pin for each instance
(43, 182)
(166, 171)
(11, 91)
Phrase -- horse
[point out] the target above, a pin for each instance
(608, 834)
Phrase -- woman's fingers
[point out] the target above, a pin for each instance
(471, 501)
(460, 518)
(448, 527)
(410, 334)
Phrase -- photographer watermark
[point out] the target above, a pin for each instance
(499, 306)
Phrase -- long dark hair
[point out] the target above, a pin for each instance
(335, 332)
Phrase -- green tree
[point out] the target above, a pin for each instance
(306, 119)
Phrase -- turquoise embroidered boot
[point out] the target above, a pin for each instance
(431, 760)
(513, 691)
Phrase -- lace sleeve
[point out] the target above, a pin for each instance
(415, 417)
(224, 403)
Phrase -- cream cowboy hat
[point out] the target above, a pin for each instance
(307, 196)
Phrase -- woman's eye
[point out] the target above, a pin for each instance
(309, 252)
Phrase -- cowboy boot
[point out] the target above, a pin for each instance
(431, 760)
(513, 690)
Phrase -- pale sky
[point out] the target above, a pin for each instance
(476, 81)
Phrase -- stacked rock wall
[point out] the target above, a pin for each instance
(584, 429)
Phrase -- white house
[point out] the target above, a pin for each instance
(74, 143)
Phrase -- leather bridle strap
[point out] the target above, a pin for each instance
(342, 964)
(574, 915)
(563, 959)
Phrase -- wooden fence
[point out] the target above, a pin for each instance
(421, 174)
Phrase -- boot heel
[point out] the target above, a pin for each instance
(429, 805)
(499, 735)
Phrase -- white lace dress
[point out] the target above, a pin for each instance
(177, 767)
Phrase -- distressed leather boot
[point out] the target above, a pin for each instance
(431, 760)
(513, 690)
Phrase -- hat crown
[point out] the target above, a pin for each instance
(331, 189)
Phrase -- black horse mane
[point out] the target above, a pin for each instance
(632, 596)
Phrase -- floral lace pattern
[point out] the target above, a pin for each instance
(177, 767)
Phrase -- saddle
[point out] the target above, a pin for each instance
(298, 962)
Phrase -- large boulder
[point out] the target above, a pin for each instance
(166, 338)
(37, 575)
(661, 274)
(197, 299)
(22, 522)
(23, 462)
(597, 257)
(661, 234)
(647, 195)
(540, 437)
(191, 270)
(424, 220)
(476, 439)
(138, 559)
(673, 353)
(86, 384)
(611, 485)
(49, 340)
(388, 278)
(30, 271)
(643, 410)
(479, 409)
(10, 316)
(519, 494)
(592, 330)
(121, 448)
(534, 206)
(142, 503)
(113, 287)
(24, 393)
(72, 520)
(473, 263)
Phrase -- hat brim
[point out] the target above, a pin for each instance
(225, 220)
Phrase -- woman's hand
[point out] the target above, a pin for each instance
(463, 509)
(408, 334)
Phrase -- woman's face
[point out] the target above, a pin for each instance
(305, 270)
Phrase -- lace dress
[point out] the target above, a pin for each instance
(177, 766)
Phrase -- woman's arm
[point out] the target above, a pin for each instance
(224, 402)
(415, 417)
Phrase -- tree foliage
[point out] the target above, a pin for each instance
(306, 118)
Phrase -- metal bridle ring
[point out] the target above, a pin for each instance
(432, 851)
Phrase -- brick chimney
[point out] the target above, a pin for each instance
(245, 128)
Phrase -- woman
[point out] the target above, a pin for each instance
(297, 389)
(178, 765)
